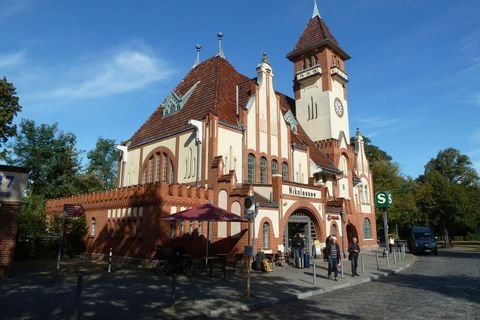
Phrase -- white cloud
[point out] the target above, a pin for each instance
(119, 72)
(8, 60)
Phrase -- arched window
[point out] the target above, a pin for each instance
(274, 167)
(182, 225)
(360, 190)
(367, 198)
(343, 165)
(284, 171)
(334, 230)
(172, 230)
(190, 228)
(251, 169)
(159, 167)
(263, 170)
(367, 229)
(93, 227)
(266, 236)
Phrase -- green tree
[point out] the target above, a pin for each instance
(448, 192)
(103, 162)
(9, 107)
(387, 176)
(51, 156)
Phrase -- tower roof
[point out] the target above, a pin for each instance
(316, 34)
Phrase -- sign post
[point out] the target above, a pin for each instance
(384, 200)
(69, 210)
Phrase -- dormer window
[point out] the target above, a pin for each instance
(175, 103)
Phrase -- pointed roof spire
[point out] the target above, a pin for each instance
(197, 60)
(315, 10)
(220, 50)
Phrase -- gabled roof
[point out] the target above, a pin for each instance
(215, 93)
(315, 35)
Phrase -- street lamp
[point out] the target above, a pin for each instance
(343, 235)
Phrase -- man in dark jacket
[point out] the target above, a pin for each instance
(353, 252)
(334, 257)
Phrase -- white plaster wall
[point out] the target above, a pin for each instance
(168, 143)
(131, 168)
(263, 117)
(263, 191)
(230, 145)
(274, 127)
(339, 123)
(222, 203)
(252, 125)
(285, 142)
(186, 161)
(273, 216)
(300, 167)
(343, 188)
(236, 227)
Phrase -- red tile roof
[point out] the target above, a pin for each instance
(215, 92)
(316, 34)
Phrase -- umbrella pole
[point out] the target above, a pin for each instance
(208, 242)
(248, 262)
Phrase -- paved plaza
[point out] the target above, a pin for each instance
(132, 291)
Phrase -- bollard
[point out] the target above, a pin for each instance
(314, 274)
(341, 264)
(362, 263)
(174, 280)
(376, 256)
(394, 256)
(110, 261)
(388, 259)
(403, 251)
(78, 295)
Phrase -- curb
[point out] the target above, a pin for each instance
(217, 313)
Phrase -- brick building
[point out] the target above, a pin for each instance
(12, 183)
(221, 136)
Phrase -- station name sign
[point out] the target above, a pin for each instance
(13, 180)
(301, 192)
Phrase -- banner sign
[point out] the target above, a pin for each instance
(13, 181)
(73, 210)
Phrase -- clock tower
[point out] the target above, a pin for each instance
(320, 82)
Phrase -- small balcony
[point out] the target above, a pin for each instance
(312, 71)
(336, 72)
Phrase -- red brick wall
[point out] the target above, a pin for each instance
(8, 231)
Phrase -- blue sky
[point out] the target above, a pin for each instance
(100, 68)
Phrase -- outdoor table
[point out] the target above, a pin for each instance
(223, 256)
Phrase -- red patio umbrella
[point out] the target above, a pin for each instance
(205, 212)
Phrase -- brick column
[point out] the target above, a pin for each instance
(9, 214)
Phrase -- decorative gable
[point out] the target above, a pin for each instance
(290, 119)
(174, 102)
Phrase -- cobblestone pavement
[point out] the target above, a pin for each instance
(435, 287)
(129, 292)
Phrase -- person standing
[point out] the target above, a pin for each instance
(334, 258)
(354, 251)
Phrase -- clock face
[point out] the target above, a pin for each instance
(338, 107)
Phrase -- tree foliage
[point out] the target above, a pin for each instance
(9, 107)
(448, 193)
(50, 155)
(103, 162)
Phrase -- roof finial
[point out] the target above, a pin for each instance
(197, 60)
(264, 57)
(315, 10)
(220, 50)
(357, 132)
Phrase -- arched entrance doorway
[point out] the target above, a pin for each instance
(351, 232)
(301, 231)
